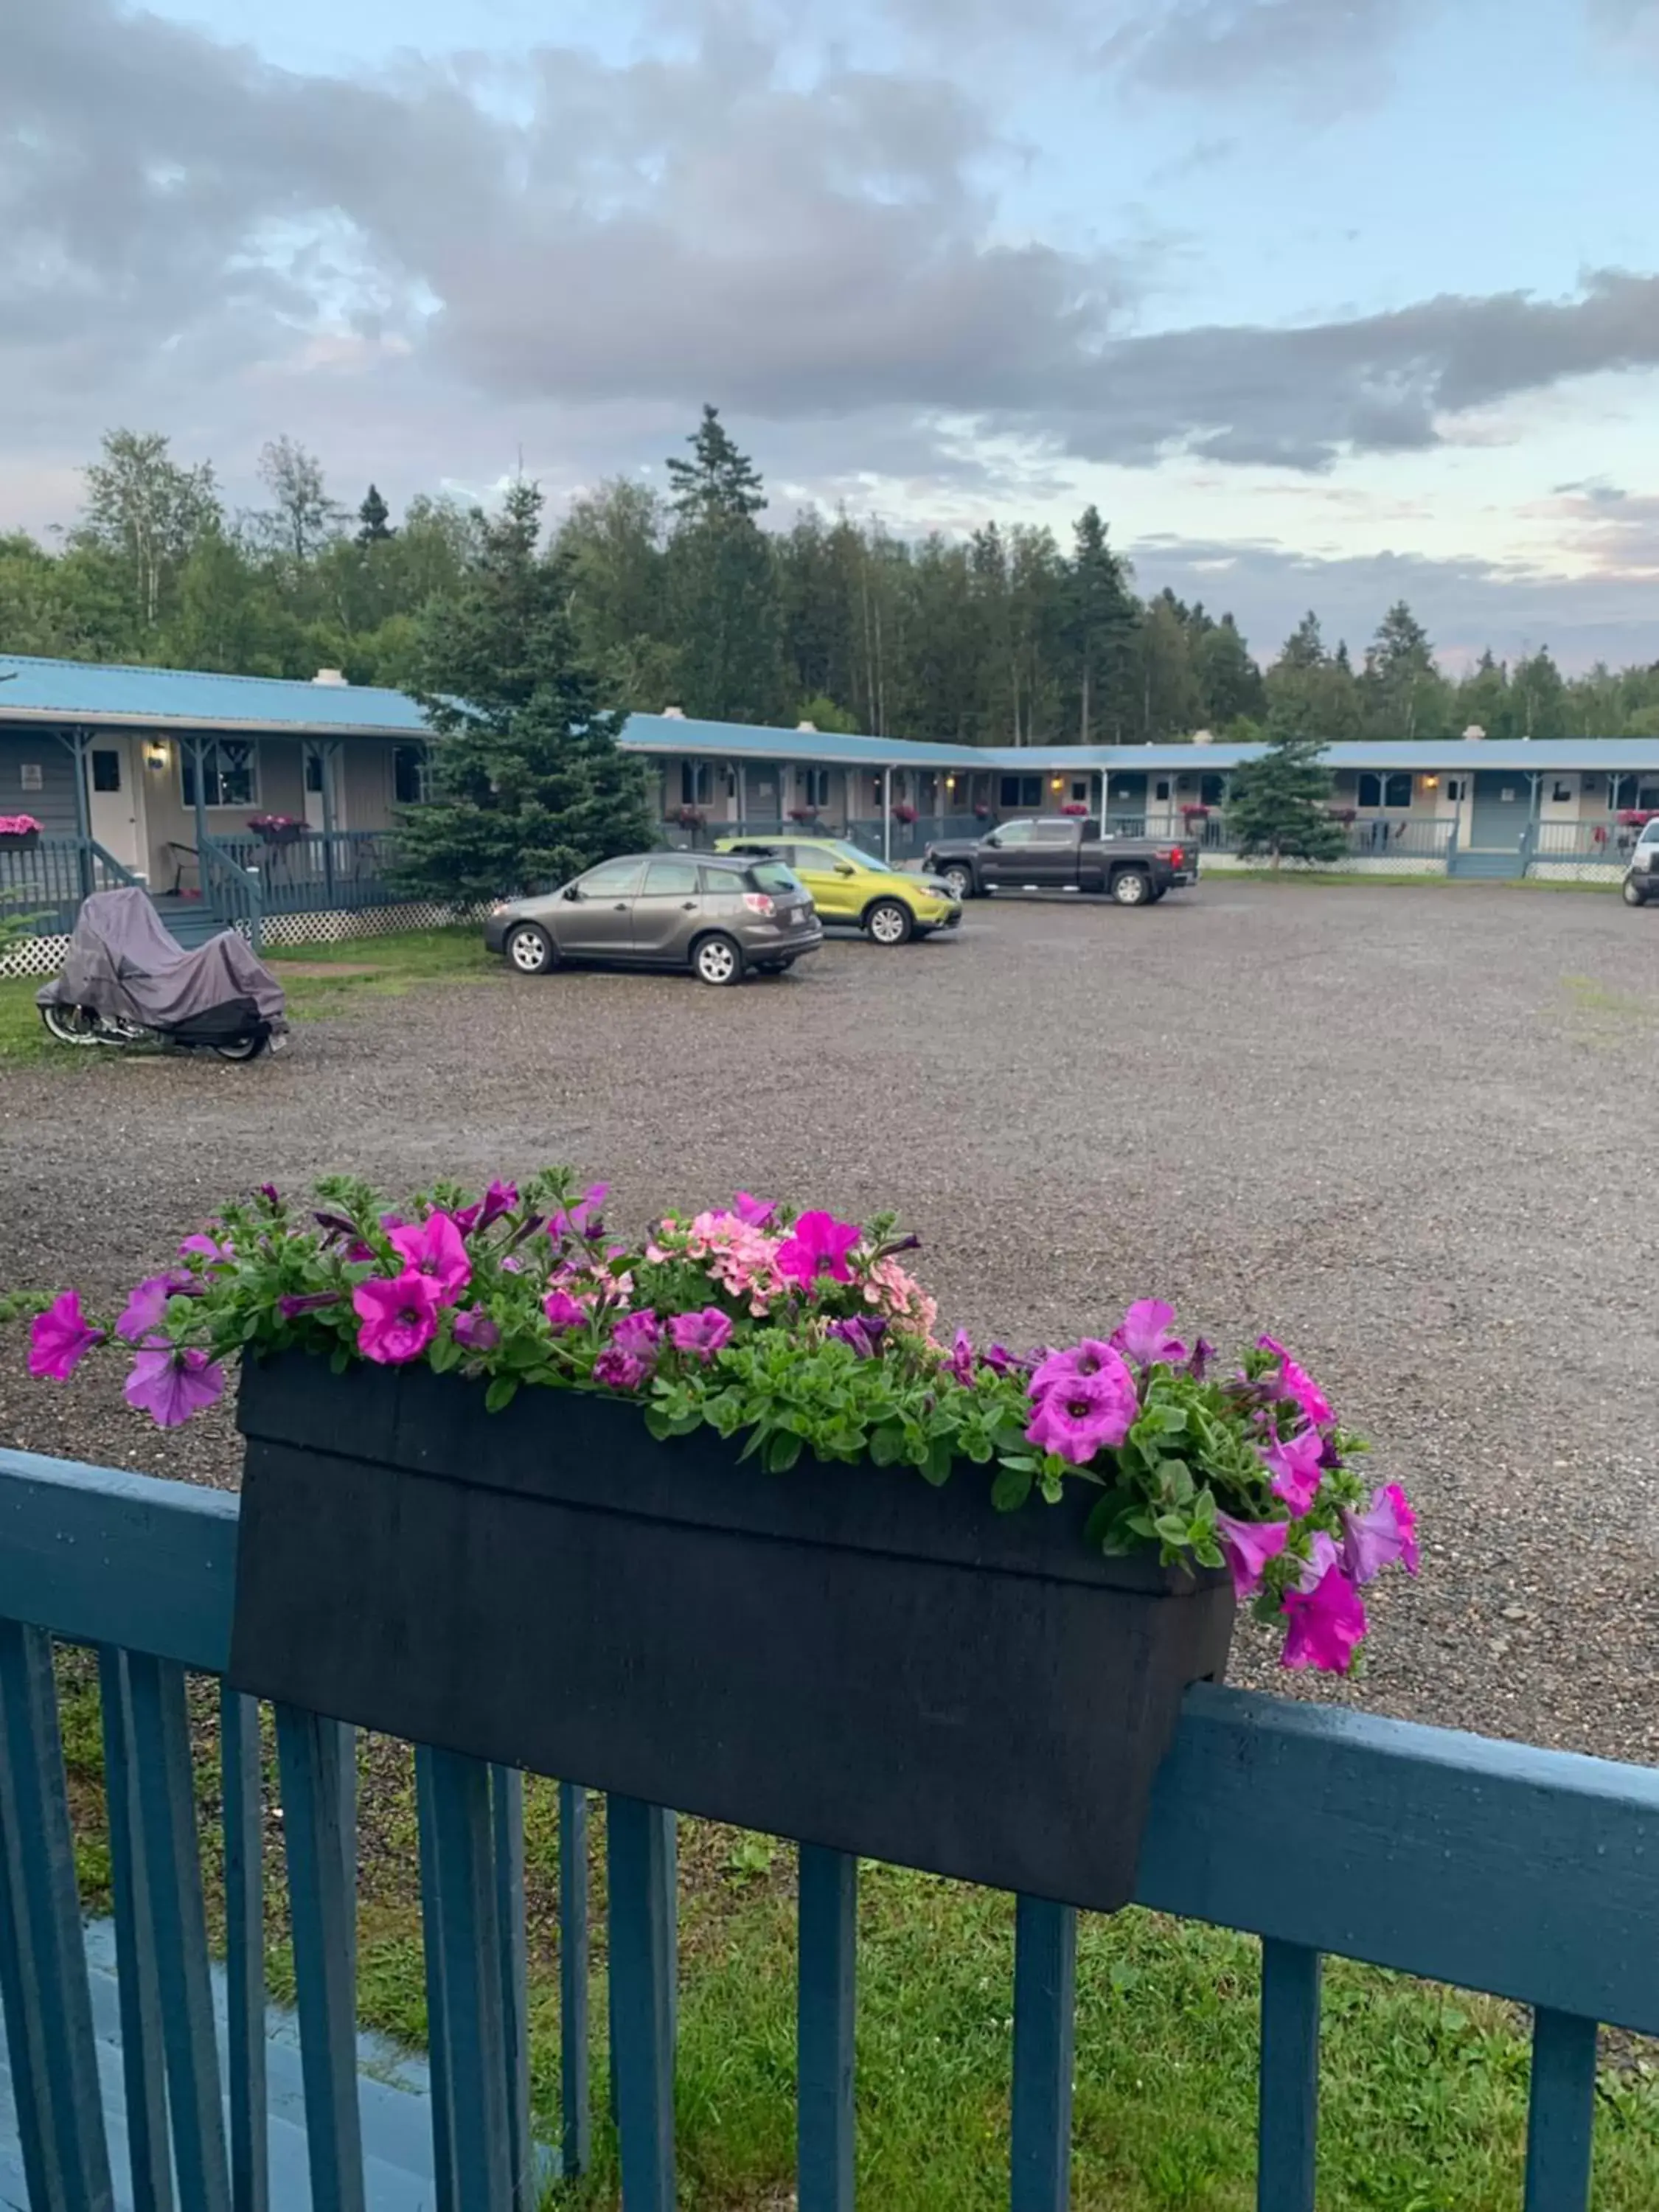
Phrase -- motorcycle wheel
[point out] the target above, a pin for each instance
(245, 1047)
(70, 1025)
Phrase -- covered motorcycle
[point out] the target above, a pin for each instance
(127, 981)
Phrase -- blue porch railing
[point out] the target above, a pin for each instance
(319, 871)
(48, 879)
(1525, 1873)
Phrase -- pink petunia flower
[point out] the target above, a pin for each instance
(1084, 1413)
(1249, 1546)
(1145, 1336)
(399, 1317)
(60, 1339)
(563, 1312)
(818, 1245)
(202, 1246)
(172, 1382)
(639, 1335)
(1092, 1357)
(435, 1248)
(700, 1334)
(146, 1308)
(754, 1213)
(1325, 1624)
(1296, 1382)
(1385, 1532)
(1298, 1469)
(620, 1371)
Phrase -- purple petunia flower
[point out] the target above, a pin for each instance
(304, 1302)
(584, 1217)
(204, 1247)
(1145, 1336)
(1249, 1546)
(563, 1312)
(1326, 1624)
(475, 1330)
(757, 1213)
(60, 1339)
(862, 1331)
(639, 1335)
(1082, 1413)
(146, 1306)
(963, 1365)
(700, 1334)
(398, 1318)
(818, 1245)
(1091, 1356)
(170, 1382)
(620, 1371)
(1385, 1532)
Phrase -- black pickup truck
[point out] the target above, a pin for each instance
(1064, 851)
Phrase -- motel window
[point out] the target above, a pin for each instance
(815, 784)
(411, 775)
(1455, 790)
(1561, 791)
(1210, 790)
(1161, 789)
(1079, 791)
(1385, 790)
(696, 783)
(1647, 798)
(228, 777)
(1021, 791)
(106, 770)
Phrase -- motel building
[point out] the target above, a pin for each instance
(269, 804)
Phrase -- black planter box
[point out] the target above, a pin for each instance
(22, 840)
(841, 1655)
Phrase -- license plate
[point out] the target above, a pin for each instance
(799, 918)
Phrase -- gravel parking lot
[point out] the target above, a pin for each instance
(1403, 1128)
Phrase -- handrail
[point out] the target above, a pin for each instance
(231, 890)
(1493, 1865)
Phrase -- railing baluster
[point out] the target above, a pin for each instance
(437, 2012)
(1561, 2113)
(466, 1930)
(137, 1984)
(638, 1839)
(507, 1818)
(1288, 2098)
(43, 1962)
(825, 2020)
(575, 2123)
(173, 1873)
(313, 1821)
(1045, 2020)
(245, 1949)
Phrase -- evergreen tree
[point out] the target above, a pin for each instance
(373, 519)
(1098, 626)
(1279, 800)
(528, 786)
(723, 594)
(1404, 694)
(1229, 682)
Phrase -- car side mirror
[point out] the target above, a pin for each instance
(573, 891)
(845, 868)
(993, 839)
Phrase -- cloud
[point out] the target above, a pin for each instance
(1317, 55)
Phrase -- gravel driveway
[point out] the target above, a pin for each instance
(1402, 1128)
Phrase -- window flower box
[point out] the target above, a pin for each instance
(277, 828)
(18, 831)
(717, 1521)
(903, 811)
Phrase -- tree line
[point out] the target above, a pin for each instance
(684, 596)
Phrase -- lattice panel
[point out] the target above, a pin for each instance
(289, 929)
(35, 956)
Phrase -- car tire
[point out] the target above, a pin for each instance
(530, 950)
(961, 881)
(1131, 887)
(888, 923)
(717, 960)
(1635, 894)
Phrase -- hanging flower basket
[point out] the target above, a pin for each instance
(903, 811)
(1194, 813)
(982, 812)
(18, 831)
(1635, 817)
(804, 815)
(646, 1517)
(1075, 806)
(690, 817)
(277, 828)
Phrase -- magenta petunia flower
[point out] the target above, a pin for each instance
(500, 1197)
(399, 1318)
(475, 1330)
(1145, 1333)
(1325, 1624)
(172, 1382)
(435, 1248)
(1296, 1382)
(862, 1331)
(963, 1365)
(563, 1312)
(818, 1245)
(1297, 1468)
(304, 1302)
(701, 1334)
(202, 1246)
(147, 1307)
(1081, 1414)
(639, 1335)
(1385, 1532)
(1249, 1546)
(620, 1371)
(756, 1212)
(583, 1218)
(60, 1339)
(1092, 1357)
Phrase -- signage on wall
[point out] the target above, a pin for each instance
(29, 775)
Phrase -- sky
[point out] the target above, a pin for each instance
(1322, 302)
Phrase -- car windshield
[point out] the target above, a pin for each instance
(1649, 834)
(773, 875)
(837, 849)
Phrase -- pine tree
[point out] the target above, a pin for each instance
(723, 583)
(1278, 803)
(373, 519)
(529, 787)
(1098, 619)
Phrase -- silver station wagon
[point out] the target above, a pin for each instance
(723, 918)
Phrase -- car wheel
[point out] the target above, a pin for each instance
(961, 881)
(887, 922)
(1131, 887)
(717, 960)
(1635, 893)
(529, 949)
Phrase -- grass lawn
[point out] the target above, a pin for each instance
(1424, 2089)
(319, 980)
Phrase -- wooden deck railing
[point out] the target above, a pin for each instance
(1525, 1873)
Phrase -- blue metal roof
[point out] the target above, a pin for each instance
(93, 691)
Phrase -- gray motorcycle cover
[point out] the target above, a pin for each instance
(122, 960)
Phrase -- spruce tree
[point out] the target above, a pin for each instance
(1279, 800)
(723, 583)
(528, 786)
(373, 519)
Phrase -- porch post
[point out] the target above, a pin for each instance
(327, 748)
(198, 745)
(742, 795)
(77, 740)
(887, 817)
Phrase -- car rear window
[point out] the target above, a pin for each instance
(773, 875)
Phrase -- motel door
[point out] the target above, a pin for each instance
(114, 801)
(1501, 808)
